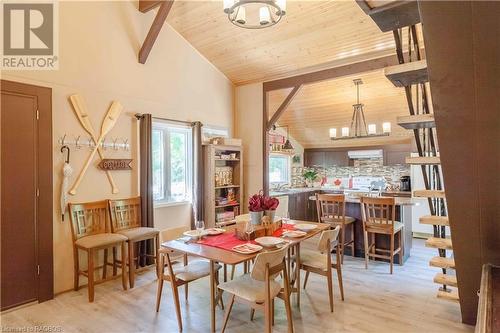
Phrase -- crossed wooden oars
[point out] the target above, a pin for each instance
(108, 123)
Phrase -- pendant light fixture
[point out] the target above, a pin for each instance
(254, 14)
(358, 128)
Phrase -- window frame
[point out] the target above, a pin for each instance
(288, 167)
(167, 129)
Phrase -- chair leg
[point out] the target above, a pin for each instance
(330, 287)
(366, 249)
(392, 252)
(272, 312)
(124, 266)
(115, 266)
(175, 295)
(76, 268)
(342, 243)
(267, 314)
(90, 274)
(105, 264)
(160, 284)
(157, 253)
(225, 272)
(131, 263)
(219, 299)
(305, 279)
(228, 311)
(288, 308)
(338, 266)
(352, 239)
(252, 314)
(233, 267)
(401, 246)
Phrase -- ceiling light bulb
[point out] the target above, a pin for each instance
(264, 15)
(282, 5)
(372, 129)
(333, 132)
(227, 5)
(345, 131)
(386, 127)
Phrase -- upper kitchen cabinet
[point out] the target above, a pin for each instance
(336, 158)
(325, 158)
(314, 158)
(395, 157)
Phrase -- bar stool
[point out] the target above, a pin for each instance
(126, 221)
(379, 217)
(91, 233)
(331, 209)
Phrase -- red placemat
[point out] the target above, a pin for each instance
(284, 227)
(224, 241)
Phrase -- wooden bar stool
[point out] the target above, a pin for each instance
(379, 217)
(126, 221)
(91, 233)
(331, 209)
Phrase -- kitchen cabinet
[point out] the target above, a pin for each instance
(395, 157)
(314, 158)
(300, 207)
(336, 158)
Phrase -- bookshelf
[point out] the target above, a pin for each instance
(223, 183)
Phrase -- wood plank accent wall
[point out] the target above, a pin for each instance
(463, 49)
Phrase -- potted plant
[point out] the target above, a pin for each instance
(310, 176)
(255, 207)
(270, 205)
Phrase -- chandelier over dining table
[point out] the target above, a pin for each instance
(254, 14)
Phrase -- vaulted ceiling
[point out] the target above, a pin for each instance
(313, 34)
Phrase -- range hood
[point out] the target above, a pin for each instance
(359, 154)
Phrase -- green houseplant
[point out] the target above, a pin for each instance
(310, 176)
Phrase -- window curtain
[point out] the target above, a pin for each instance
(197, 173)
(146, 184)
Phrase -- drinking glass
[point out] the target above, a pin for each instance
(200, 225)
(248, 230)
(286, 218)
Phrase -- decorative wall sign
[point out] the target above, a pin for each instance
(115, 164)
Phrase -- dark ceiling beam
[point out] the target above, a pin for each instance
(331, 73)
(146, 5)
(283, 107)
(155, 29)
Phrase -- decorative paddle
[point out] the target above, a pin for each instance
(108, 123)
(81, 112)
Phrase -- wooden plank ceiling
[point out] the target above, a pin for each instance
(313, 35)
(321, 106)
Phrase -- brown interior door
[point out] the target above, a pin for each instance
(19, 265)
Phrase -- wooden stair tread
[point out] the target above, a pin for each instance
(434, 220)
(439, 243)
(442, 262)
(417, 121)
(429, 194)
(446, 279)
(406, 74)
(450, 296)
(393, 15)
(423, 160)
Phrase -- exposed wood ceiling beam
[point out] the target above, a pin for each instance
(155, 29)
(147, 5)
(283, 106)
(331, 73)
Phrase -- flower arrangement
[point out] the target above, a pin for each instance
(258, 204)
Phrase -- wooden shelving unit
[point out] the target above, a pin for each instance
(213, 190)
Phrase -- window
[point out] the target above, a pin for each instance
(279, 168)
(172, 162)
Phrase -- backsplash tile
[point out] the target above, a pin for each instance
(362, 167)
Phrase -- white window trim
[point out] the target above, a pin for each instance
(289, 164)
(167, 128)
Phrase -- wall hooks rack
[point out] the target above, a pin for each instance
(79, 142)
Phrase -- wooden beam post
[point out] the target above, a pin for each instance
(283, 107)
(155, 29)
(146, 5)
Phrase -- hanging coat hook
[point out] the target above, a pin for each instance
(63, 148)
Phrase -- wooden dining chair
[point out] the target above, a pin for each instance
(91, 233)
(259, 288)
(181, 276)
(320, 261)
(126, 220)
(379, 217)
(331, 209)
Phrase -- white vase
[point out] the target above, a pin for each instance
(256, 217)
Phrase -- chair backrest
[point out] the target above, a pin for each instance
(327, 238)
(378, 211)
(89, 218)
(273, 258)
(125, 213)
(331, 207)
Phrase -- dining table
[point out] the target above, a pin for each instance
(214, 254)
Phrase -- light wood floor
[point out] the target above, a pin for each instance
(375, 302)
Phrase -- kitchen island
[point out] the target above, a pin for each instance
(302, 205)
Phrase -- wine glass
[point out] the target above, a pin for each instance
(200, 225)
(286, 217)
(248, 230)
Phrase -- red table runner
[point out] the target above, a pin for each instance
(229, 240)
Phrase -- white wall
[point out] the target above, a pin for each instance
(99, 43)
